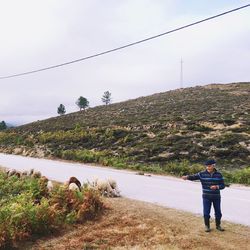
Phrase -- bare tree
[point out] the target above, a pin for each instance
(106, 98)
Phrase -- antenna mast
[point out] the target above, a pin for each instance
(181, 76)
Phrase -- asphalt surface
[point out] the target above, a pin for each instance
(162, 190)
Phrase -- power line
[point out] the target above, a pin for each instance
(124, 46)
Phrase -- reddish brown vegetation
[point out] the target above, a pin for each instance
(137, 225)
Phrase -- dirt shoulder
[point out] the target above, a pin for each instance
(130, 224)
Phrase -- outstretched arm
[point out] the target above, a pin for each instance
(191, 177)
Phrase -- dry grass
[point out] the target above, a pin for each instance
(129, 224)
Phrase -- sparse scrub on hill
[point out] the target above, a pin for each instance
(190, 124)
(15, 139)
(199, 128)
(27, 208)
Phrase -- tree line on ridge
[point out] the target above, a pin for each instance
(83, 103)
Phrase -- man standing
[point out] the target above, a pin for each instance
(212, 182)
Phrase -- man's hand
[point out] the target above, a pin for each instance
(184, 177)
(214, 187)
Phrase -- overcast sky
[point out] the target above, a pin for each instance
(42, 33)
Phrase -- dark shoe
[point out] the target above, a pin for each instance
(218, 227)
(207, 225)
(207, 229)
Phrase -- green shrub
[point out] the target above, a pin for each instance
(198, 127)
(242, 176)
(176, 168)
(195, 168)
(26, 208)
(84, 155)
(228, 177)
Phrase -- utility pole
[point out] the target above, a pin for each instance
(181, 76)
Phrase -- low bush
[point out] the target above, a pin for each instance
(27, 208)
(242, 176)
(84, 155)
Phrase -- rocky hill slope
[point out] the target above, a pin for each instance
(185, 124)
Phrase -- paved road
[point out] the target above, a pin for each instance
(165, 191)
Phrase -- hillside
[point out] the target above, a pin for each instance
(185, 124)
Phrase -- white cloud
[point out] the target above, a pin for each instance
(43, 33)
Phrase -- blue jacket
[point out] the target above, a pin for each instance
(207, 180)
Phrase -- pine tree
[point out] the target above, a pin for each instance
(61, 109)
(3, 125)
(82, 103)
(106, 98)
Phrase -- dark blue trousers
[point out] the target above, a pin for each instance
(207, 203)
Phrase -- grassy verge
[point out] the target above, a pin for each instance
(241, 176)
(174, 168)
